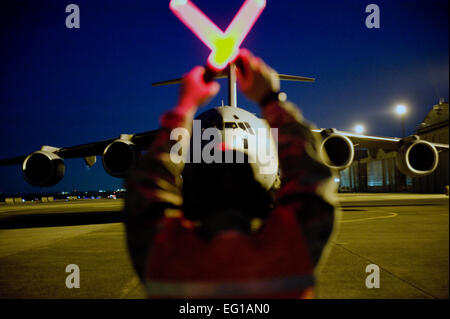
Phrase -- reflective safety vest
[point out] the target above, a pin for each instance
(271, 263)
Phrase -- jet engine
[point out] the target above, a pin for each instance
(43, 168)
(118, 157)
(417, 158)
(336, 150)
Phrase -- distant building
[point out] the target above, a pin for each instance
(376, 171)
(369, 173)
(354, 178)
(434, 128)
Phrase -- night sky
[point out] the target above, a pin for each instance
(64, 87)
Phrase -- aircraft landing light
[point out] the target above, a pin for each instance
(224, 45)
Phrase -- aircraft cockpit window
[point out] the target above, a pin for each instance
(211, 118)
(249, 128)
(242, 125)
(230, 125)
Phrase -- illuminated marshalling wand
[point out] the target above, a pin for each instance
(224, 45)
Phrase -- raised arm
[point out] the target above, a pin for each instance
(307, 185)
(154, 185)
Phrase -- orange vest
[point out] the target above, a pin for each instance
(271, 263)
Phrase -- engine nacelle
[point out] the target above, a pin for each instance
(118, 157)
(337, 151)
(43, 168)
(417, 158)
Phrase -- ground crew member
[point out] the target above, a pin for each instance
(199, 242)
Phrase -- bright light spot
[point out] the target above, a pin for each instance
(400, 109)
(175, 3)
(225, 51)
(359, 128)
(336, 180)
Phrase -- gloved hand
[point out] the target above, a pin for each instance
(256, 79)
(194, 91)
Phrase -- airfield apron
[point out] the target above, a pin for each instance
(272, 263)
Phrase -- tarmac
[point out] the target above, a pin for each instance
(405, 235)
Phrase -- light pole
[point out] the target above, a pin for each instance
(401, 111)
(356, 182)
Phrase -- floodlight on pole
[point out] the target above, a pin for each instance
(401, 111)
(359, 129)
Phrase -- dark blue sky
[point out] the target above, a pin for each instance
(65, 87)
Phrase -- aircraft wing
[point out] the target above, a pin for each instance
(415, 157)
(84, 150)
(45, 167)
(140, 140)
(385, 143)
(12, 161)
